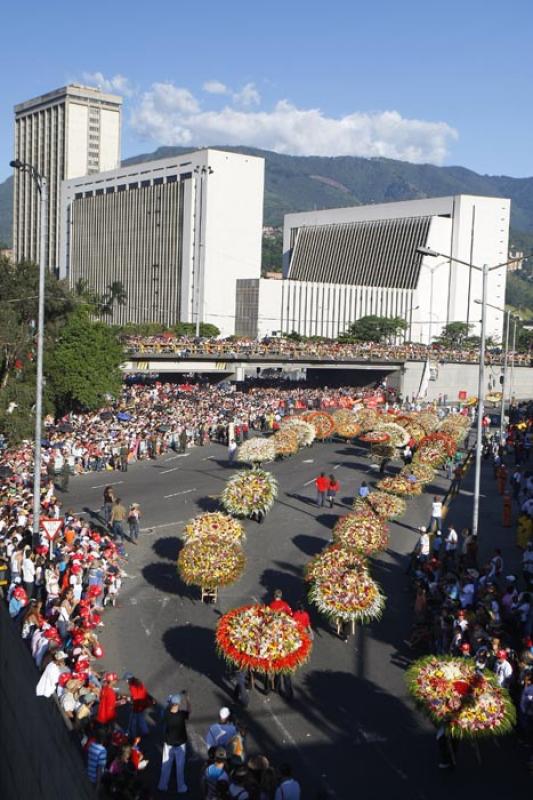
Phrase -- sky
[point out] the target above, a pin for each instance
(422, 81)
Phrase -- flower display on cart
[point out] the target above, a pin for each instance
(258, 638)
(412, 426)
(211, 562)
(365, 534)
(214, 522)
(304, 430)
(428, 420)
(400, 485)
(382, 451)
(321, 421)
(398, 436)
(434, 449)
(285, 442)
(455, 425)
(367, 418)
(256, 451)
(375, 437)
(422, 472)
(249, 491)
(453, 693)
(350, 596)
(333, 558)
(385, 505)
(346, 424)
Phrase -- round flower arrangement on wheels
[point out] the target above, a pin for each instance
(367, 418)
(398, 436)
(375, 437)
(385, 505)
(346, 425)
(400, 485)
(258, 638)
(214, 523)
(249, 492)
(453, 693)
(422, 472)
(321, 421)
(429, 420)
(411, 425)
(364, 534)
(256, 451)
(285, 442)
(211, 562)
(304, 430)
(434, 449)
(350, 596)
(334, 557)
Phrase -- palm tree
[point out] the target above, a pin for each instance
(115, 293)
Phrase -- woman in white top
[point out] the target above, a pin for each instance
(28, 571)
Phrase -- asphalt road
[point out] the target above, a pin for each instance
(351, 728)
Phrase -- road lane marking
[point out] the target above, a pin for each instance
(164, 472)
(176, 494)
(103, 485)
(308, 461)
(164, 525)
(309, 482)
(336, 466)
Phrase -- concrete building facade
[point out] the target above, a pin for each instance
(177, 233)
(69, 132)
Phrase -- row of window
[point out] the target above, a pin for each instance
(134, 185)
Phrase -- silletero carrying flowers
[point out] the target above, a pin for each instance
(321, 421)
(257, 638)
(400, 485)
(249, 492)
(214, 523)
(335, 557)
(348, 595)
(211, 562)
(383, 504)
(365, 534)
(453, 693)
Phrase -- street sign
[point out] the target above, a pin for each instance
(463, 395)
(51, 526)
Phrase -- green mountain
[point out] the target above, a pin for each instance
(297, 183)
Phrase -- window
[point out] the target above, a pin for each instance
(78, 195)
(172, 178)
(99, 192)
(88, 194)
(158, 181)
(110, 190)
(144, 184)
(134, 185)
(121, 188)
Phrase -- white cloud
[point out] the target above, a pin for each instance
(248, 96)
(215, 87)
(118, 83)
(170, 115)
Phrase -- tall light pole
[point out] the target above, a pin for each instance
(42, 188)
(201, 173)
(485, 269)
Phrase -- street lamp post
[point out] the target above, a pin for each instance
(201, 173)
(42, 188)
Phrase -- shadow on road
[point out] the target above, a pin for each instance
(165, 577)
(168, 547)
(310, 545)
(193, 647)
(291, 585)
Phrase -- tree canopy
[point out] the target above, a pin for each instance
(374, 329)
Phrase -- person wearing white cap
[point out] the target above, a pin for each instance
(175, 741)
(221, 733)
(50, 677)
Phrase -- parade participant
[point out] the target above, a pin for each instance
(332, 490)
(141, 700)
(278, 604)
(118, 517)
(321, 484)
(436, 515)
(174, 741)
(134, 514)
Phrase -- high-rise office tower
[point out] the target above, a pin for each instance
(66, 133)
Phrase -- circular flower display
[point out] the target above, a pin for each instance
(303, 430)
(398, 436)
(428, 420)
(333, 558)
(412, 426)
(422, 472)
(453, 693)
(322, 423)
(382, 451)
(257, 638)
(365, 534)
(434, 449)
(213, 523)
(211, 562)
(400, 485)
(385, 505)
(346, 424)
(285, 442)
(249, 491)
(256, 451)
(351, 595)
(375, 437)
(367, 418)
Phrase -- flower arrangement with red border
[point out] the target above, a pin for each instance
(398, 436)
(249, 491)
(349, 595)
(214, 522)
(385, 505)
(375, 437)
(210, 562)
(400, 485)
(304, 430)
(334, 557)
(346, 424)
(452, 693)
(257, 638)
(365, 534)
(321, 421)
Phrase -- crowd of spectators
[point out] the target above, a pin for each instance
(234, 347)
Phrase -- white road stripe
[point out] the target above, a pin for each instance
(164, 472)
(165, 525)
(103, 485)
(309, 482)
(176, 494)
(308, 461)
(336, 466)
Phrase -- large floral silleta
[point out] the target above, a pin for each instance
(383, 504)
(258, 638)
(349, 595)
(250, 491)
(453, 693)
(256, 451)
(213, 523)
(211, 562)
(365, 534)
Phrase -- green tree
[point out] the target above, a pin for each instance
(454, 334)
(83, 368)
(374, 329)
(115, 294)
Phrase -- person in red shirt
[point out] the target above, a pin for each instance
(107, 707)
(278, 604)
(333, 487)
(140, 701)
(301, 616)
(322, 484)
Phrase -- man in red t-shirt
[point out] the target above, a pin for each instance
(322, 485)
(278, 604)
(107, 707)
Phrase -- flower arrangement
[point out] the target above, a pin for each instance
(400, 485)
(285, 442)
(333, 558)
(383, 504)
(382, 451)
(375, 437)
(455, 426)
(365, 534)
(428, 420)
(398, 436)
(321, 421)
(367, 418)
(213, 523)
(304, 430)
(257, 638)
(346, 424)
(249, 491)
(350, 595)
(422, 472)
(453, 693)
(256, 451)
(434, 449)
(411, 425)
(211, 562)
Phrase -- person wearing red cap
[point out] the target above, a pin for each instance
(503, 669)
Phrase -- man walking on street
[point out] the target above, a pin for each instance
(118, 517)
(175, 741)
(322, 484)
(436, 515)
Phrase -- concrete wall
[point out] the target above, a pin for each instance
(453, 378)
(40, 758)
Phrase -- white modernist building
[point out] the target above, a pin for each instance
(63, 134)
(177, 233)
(345, 263)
